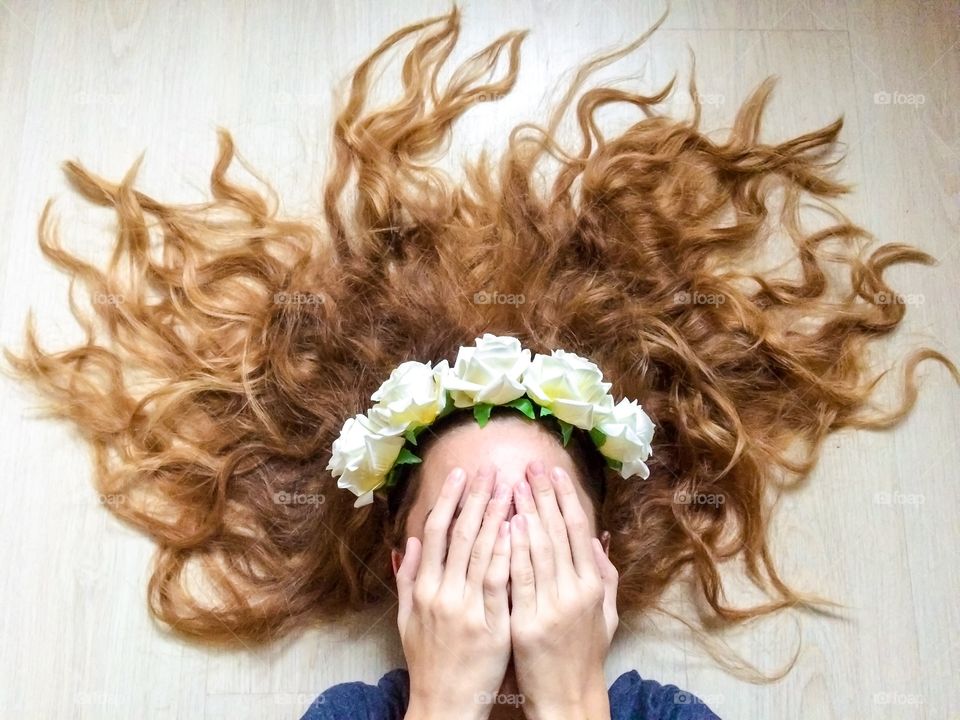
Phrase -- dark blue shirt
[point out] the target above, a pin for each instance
(631, 698)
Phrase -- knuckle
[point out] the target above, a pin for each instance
(543, 489)
(493, 582)
(476, 555)
(460, 535)
(476, 630)
(593, 593)
(478, 491)
(564, 486)
(434, 527)
(444, 608)
(421, 599)
(570, 606)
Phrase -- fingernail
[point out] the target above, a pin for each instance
(556, 474)
(536, 467)
(518, 522)
(457, 476)
(501, 490)
(524, 488)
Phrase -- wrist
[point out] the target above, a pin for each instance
(589, 702)
(427, 706)
(595, 705)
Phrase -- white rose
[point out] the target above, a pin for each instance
(488, 373)
(629, 432)
(413, 395)
(362, 457)
(570, 386)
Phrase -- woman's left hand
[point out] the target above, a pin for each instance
(564, 595)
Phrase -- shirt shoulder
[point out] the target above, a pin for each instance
(633, 698)
(387, 700)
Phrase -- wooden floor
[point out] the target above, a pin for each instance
(876, 528)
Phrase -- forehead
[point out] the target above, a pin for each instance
(507, 442)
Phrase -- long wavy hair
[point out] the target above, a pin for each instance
(226, 345)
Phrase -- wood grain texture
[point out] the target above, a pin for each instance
(875, 528)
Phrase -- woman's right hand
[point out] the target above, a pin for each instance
(454, 619)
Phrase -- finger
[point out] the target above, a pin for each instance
(406, 574)
(523, 589)
(541, 550)
(552, 521)
(610, 578)
(496, 513)
(435, 528)
(578, 529)
(495, 581)
(465, 529)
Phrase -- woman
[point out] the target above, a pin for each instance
(507, 599)
(226, 350)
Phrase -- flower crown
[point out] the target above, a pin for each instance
(372, 448)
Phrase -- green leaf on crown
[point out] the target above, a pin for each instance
(544, 411)
(481, 413)
(406, 458)
(391, 479)
(448, 407)
(524, 405)
(411, 434)
(567, 430)
(615, 464)
(598, 436)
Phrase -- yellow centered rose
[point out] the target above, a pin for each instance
(495, 371)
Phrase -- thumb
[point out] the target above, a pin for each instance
(610, 577)
(406, 575)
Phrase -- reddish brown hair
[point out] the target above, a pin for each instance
(212, 388)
